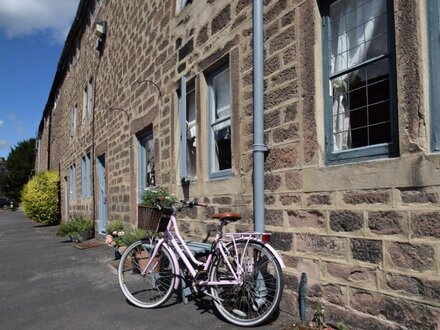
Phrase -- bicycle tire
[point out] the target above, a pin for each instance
(156, 286)
(258, 298)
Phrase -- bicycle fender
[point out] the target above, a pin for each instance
(276, 254)
(176, 265)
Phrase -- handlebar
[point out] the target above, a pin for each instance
(192, 203)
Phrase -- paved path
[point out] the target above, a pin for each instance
(46, 283)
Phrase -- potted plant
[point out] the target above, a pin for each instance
(77, 229)
(155, 200)
(114, 230)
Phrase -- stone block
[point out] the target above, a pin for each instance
(287, 200)
(411, 257)
(306, 219)
(282, 40)
(272, 119)
(366, 197)
(286, 133)
(414, 286)
(333, 294)
(223, 200)
(410, 315)
(319, 199)
(354, 320)
(353, 274)
(282, 157)
(367, 250)
(293, 180)
(221, 20)
(346, 221)
(282, 241)
(272, 182)
(386, 222)
(274, 218)
(322, 245)
(418, 197)
(426, 224)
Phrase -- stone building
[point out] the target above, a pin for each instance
(351, 121)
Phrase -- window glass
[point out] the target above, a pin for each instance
(359, 75)
(191, 149)
(220, 114)
(146, 166)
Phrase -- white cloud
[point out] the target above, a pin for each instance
(25, 17)
(4, 144)
(1, 122)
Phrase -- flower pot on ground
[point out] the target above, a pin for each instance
(77, 229)
(143, 258)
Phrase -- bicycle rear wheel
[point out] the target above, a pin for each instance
(156, 286)
(258, 297)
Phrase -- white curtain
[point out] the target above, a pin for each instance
(353, 24)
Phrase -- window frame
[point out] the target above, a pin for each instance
(184, 90)
(382, 150)
(211, 153)
(433, 34)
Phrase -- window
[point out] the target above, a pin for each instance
(359, 68)
(85, 176)
(72, 181)
(187, 119)
(146, 170)
(219, 123)
(433, 9)
(73, 115)
(88, 100)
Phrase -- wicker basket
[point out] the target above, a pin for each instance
(152, 219)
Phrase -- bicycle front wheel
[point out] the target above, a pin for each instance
(258, 297)
(154, 287)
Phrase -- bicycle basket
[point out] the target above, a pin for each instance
(152, 219)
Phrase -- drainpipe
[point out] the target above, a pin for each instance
(259, 147)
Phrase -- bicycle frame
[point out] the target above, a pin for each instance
(184, 252)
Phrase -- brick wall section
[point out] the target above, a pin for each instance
(366, 234)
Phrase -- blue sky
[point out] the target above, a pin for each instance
(32, 34)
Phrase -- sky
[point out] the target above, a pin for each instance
(32, 35)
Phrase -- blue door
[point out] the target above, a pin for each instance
(102, 196)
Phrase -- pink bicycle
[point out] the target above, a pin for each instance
(242, 272)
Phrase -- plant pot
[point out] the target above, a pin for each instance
(85, 235)
(142, 258)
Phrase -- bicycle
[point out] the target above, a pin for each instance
(242, 272)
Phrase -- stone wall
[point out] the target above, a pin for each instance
(366, 233)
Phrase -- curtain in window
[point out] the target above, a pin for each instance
(352, 28)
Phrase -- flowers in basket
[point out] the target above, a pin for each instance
(157, 197)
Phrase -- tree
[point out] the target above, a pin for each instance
(20, 167)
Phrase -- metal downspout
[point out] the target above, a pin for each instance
(259, 147)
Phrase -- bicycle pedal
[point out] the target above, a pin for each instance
(202, 275)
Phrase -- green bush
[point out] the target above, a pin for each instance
(75, 226)
(39, 198)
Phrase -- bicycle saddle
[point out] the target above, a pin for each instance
(230, 216)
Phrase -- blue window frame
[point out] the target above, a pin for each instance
(188, 130)
(433, 9)
(86, 176)
(72, 181)
(146, 167)
(219, 130)
(73, 120)
(359, 79)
